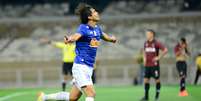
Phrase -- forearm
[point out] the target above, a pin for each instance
(164, 52)
(72, 38)
(108, 38)
(187, 51)
(144, 60)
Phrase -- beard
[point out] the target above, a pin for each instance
(95, 20)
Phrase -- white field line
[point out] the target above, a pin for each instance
(5, 98)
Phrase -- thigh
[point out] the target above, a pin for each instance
(70, 66)
(82, 75)
(185, 68)
(147, 72)
(75, 93)
(155, 73)
(199, 71)
(181, 68)
(67, 68)
(64, 69)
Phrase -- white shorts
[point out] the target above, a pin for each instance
(82, 75)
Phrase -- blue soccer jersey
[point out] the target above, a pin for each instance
(86, 46)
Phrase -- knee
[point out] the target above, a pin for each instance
(146, 80)
(73, 98)
(157, 81)
(91, 93)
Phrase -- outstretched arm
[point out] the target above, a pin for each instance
(56, 44)
(72, 38)
(109, 38)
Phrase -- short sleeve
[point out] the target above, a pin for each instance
(176, 48)
(160, 45)
(81, 30)
(100, 30)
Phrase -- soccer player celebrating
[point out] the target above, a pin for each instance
(87, 40)
(151, 62)
(68, 52)
(182, 52)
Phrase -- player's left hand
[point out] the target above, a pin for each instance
(114, 39)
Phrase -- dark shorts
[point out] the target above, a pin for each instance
(152, 72)
(67, 68)
(181, 68)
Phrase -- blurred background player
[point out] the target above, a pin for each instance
(198, 71)
(182, 52)
(68, 52)
(151, 62)
(141, 66)
(87, 40)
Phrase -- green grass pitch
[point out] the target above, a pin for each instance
(120, 93)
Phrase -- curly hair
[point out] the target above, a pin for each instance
(84, 11)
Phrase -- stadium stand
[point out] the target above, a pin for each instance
(108, 7)
(21, 28)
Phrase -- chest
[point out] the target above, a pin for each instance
(150, 48)
(93, 33)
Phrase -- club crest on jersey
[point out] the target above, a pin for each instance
(91, 32)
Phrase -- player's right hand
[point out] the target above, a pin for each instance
(157, 58)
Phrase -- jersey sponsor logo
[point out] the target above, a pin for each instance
(94, 42)
(150, 49)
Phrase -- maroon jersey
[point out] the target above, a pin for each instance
(180, 53)
(151, 50)
(177, 49)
